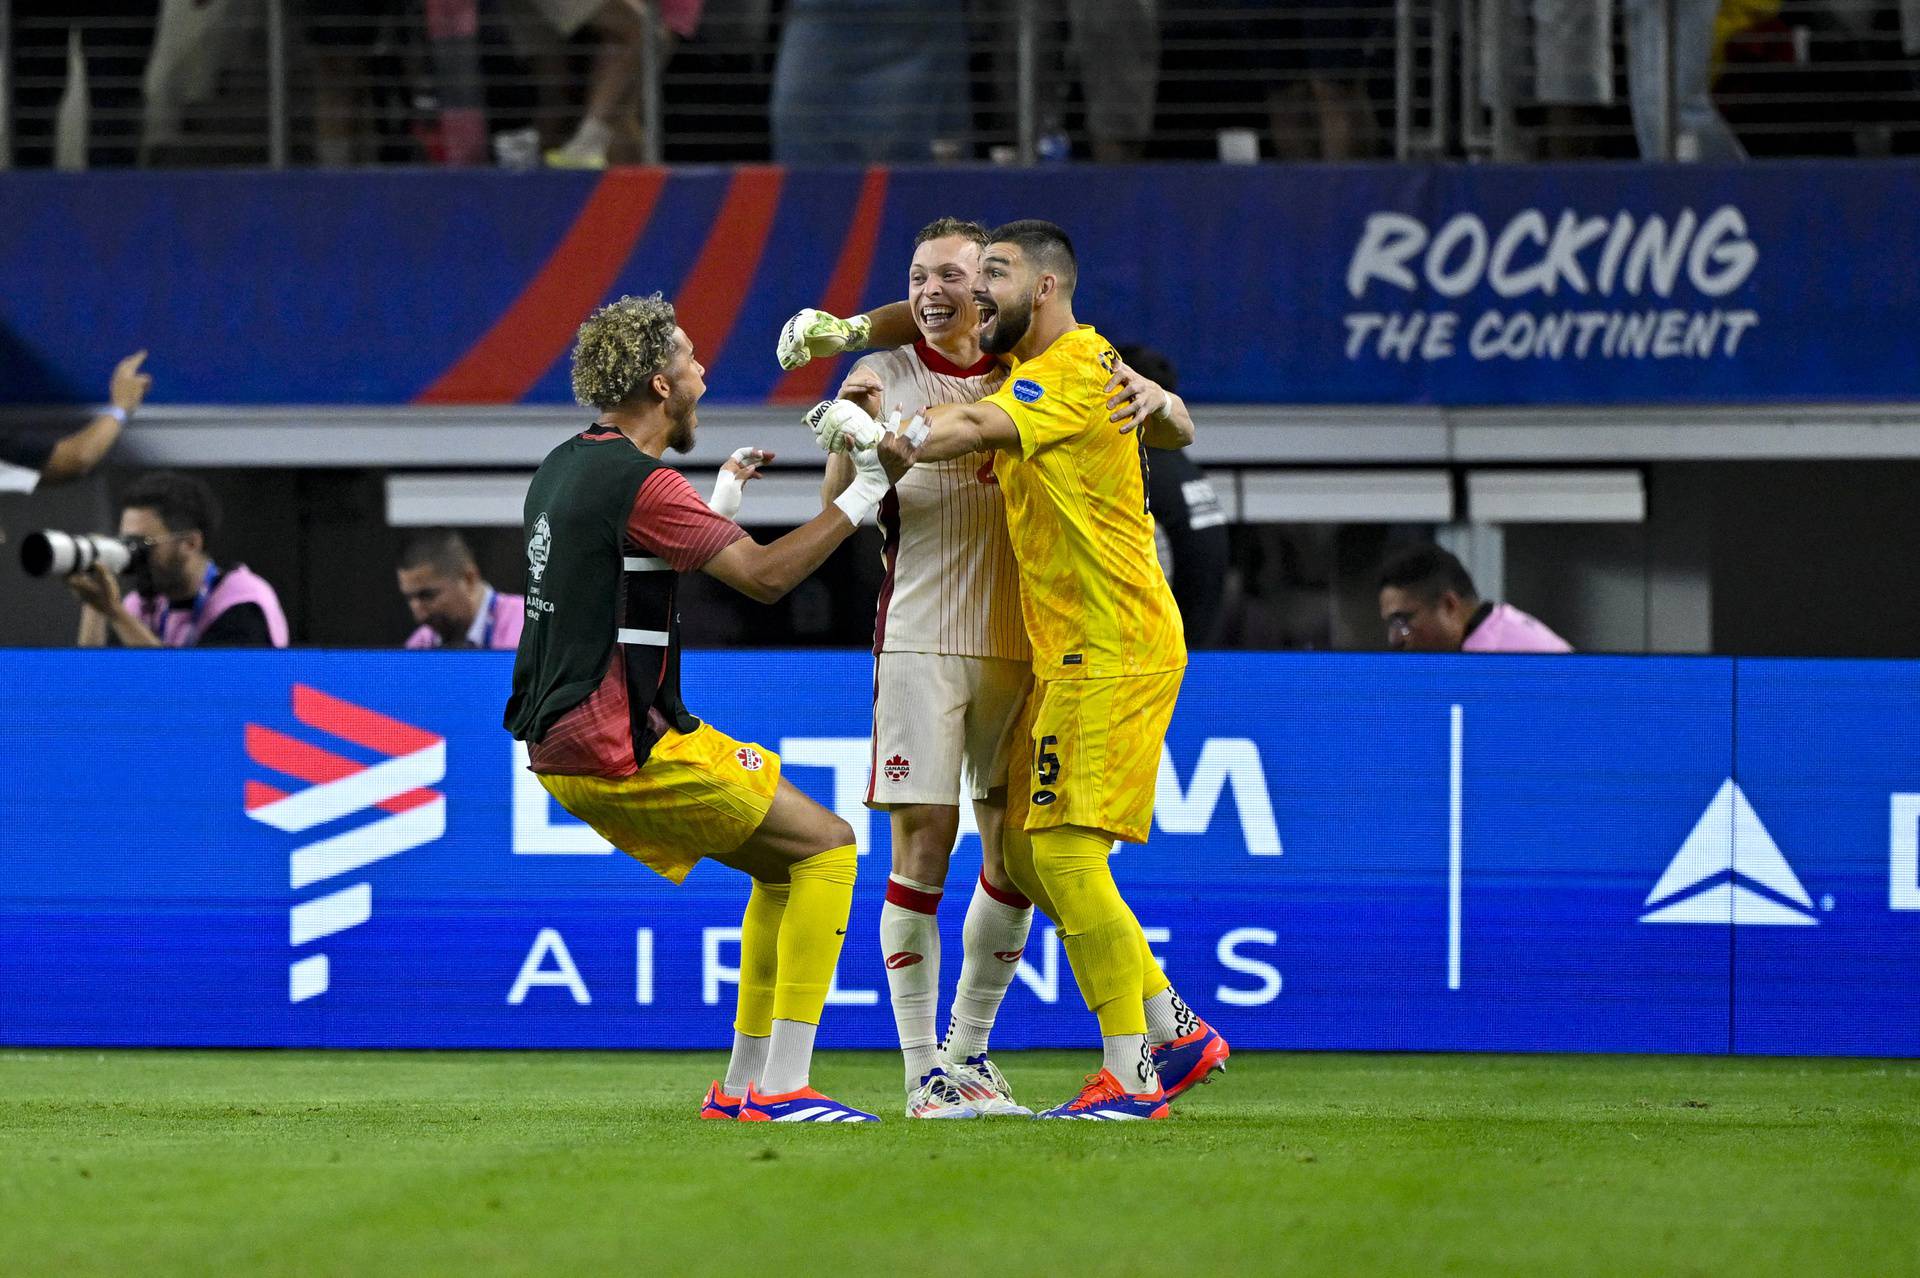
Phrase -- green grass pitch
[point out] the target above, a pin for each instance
(583, 1163)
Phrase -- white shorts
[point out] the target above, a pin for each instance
(936, 718)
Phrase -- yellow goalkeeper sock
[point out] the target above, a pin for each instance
(1016, 857)
(1152, 979)
(1102, 938)
(759, 958)
(811, 933)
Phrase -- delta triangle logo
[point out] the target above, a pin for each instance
(1730, 871)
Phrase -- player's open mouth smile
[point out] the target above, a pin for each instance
(935, 315)
(987, 311)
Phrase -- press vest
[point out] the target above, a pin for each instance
(588, 593)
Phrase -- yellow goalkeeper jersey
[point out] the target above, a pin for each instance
(1095, 602)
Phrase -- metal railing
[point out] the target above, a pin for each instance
(91, 83)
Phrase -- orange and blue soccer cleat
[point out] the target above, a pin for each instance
(718, 1104)
(803, 1105)
(1103, 1098)
(1190, 1059)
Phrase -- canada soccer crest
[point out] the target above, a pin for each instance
(749, 758)
(897, 767)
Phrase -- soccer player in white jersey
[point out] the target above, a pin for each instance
(951, 667)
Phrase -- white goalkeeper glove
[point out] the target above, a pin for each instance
(729, 485)
(842, 426)
(815, 334)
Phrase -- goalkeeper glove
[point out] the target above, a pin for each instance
(842, 426)
(813, 334)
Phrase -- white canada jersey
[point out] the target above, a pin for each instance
(952, 586)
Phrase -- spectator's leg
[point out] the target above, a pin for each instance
(612, 86)
(1573, 71)
(1699, 132)
(1117, 44)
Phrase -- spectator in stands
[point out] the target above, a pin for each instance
(29, 458)
(1428, 603)
(1112, 49)
(868, 81)
(182, 598)
(610, 128)
(115, 39)
(1189, 526)
(454, 605)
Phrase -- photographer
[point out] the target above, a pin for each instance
(182, 599)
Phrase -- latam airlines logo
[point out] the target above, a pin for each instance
(339, 787)
(1730, 871)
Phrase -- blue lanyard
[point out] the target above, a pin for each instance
(165, 610)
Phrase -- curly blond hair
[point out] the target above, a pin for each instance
(620, 346)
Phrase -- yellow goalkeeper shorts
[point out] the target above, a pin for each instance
(1092, 753)
(700, 793)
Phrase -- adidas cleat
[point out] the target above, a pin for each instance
(985, 1088)
(1104, 1099)
(803, 1105)
(718, 1104)
(937, 1096)
(1190, 1060)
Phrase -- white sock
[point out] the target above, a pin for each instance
(745, 1065)
(1127, 1058)
(992, 940)
(590, 139)
(789, 1058)
(910, 947)
(1169, 1018)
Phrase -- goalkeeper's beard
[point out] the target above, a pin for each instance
(1008, 327)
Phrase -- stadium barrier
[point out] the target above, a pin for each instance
(1594, 284)
(1351, 851)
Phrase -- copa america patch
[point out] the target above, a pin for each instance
(749, 758)
(1026, 390)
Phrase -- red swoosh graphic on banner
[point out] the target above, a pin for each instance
(363, 727)
(310, 763)
(503, 365)
(809, 382)
(715, 289)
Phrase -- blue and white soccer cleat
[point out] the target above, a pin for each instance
(1104, 1099)
(985, 1088)
(803, 1105)
(1190, 1060)
(719, 1105)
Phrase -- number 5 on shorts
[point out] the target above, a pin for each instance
(1046, 764)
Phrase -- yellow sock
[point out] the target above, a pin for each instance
(811, 933)
(1016, 856)
(759, 958)
(1152, 979)
(1101, 936)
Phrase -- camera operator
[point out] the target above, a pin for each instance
(182, 599)
(453, 604)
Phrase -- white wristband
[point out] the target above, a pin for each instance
(116, 412)
(861, 498)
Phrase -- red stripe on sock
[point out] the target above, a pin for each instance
(912, 898)
(1012, 900)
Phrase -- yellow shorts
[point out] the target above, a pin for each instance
(700, 793)
(1092, 753)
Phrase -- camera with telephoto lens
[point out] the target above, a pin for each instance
(43, 554)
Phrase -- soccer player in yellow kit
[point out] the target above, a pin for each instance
(1108, 650)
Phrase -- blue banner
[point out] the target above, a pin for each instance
(1357, 851)
(1455, 285)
